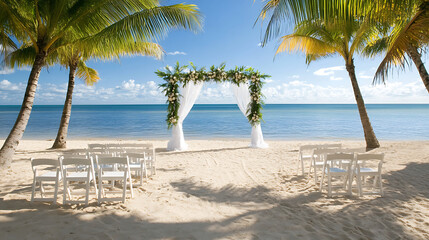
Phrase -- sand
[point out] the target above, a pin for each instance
(221, 189)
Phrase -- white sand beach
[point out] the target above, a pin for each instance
(221, 189)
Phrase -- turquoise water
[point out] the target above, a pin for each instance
(282, 121)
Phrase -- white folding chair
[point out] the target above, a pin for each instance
(138, 164)
(150, 157)
(369, 165)
(337, 165)
(151, 160)
(314, 156)
(306, 154)
(114, 148)
(318, 160)
(121, 174)
(45, 170)
(77, 170)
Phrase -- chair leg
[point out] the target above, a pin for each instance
(145, 169)
(100, 188)
(315, 175)
(65, 191)
(42, 189)
(359, 183)
(329, 186)
(141, 177)
(349, 178)
(302, 167)
(124, 189)
(347, 185)
(56, 191)
(381, 185)
(322, 180)
(33, 189)
(88, 184)
(95, 182)
(131, 187)
(374, 184)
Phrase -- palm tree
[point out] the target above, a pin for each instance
(404, 38)
(48, 24)
(318, 39)
(381, 45)
(410, 18)
(75, 62)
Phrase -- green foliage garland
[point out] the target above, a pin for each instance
(175, 75)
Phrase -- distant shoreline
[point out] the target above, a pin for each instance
(208, 104)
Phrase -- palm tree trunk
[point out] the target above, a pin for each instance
(417, 59)
(15, 135)
(370, 138)
(60, 141)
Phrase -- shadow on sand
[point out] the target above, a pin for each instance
(300, 216)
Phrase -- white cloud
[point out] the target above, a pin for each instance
(365, 77)
(5, 85)
(304, 92)
(333, 78)
(295, 76)
(216, 93)
(130, 85)
(269, 80)
(329, 71)
(176, 53)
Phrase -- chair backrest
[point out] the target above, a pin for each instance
(149, 152)
(370, 160)
(96, 146)
(74, 164)
(135, 154)
(340, 159)
(112, 160)
(136, 145)
(66, 161)
(320, 154)
(135, 157)
(93, 152)
(45, 162)
(112, 145)
(330, 145)
(353, 150)
(308, 147)
(75, 152)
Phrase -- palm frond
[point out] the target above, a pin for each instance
(21, 57)
(151, 25)
(89, 75)
(414, 32)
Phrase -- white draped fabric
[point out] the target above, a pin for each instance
(242, 95)
(189, 95)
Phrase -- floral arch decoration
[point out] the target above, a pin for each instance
(173, 76)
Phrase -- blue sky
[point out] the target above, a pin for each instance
(229, 36)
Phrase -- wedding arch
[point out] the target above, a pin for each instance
(183, 85)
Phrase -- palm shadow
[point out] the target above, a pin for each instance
(273, 216)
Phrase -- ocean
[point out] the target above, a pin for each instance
(208, 121)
